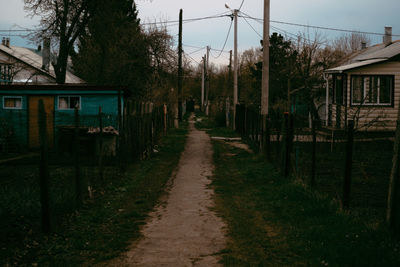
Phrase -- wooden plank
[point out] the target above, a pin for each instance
(33, 120)
(30, 155)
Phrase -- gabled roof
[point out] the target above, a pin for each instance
(355, 65)
(371, 55)
(35, 60)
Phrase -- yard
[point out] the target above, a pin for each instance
(98, 229)
(277, 221)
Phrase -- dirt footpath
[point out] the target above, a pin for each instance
(184, 231)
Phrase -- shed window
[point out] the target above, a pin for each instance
(372, 89)
(69, 102)
(12, 102)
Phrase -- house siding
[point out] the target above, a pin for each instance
(91, 100)
(15, 120)
(24, 71)
(373, 118)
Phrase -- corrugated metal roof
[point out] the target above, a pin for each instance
(370, 55)
(380, 51)
(35, 60)
(359, 64)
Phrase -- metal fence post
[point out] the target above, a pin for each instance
(348, 165)
(44, 169)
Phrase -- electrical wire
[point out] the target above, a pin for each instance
(201, 48)
(188, 20)
(226, 39)
(297, 37)
(316, 27)
(191, 58)
(241, 5)
(220, 15)
(252, 28)
(193, 46)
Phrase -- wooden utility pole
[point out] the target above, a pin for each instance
(180, 71)
(230, 70)
(207, 78)
(203, 73)
(348, 166)
(78, 194)
(235, 69)
(392, 213)
(228, 101)
(100, 159)
(44, 169)
(265, 76)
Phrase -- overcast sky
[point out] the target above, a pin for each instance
(359, 15)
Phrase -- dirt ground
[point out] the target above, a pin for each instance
(183, 231)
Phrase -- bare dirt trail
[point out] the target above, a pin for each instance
(183, 231)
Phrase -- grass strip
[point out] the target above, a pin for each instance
(272, 221)
(103, 229)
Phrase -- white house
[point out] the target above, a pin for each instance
(366, 88)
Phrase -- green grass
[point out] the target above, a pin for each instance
(210, 125)
(102, 228)
(272, 221)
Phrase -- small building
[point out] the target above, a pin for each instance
(366, 88)
(19, 110)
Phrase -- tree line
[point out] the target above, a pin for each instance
(108, 45)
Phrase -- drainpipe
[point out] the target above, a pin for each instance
(326, 100)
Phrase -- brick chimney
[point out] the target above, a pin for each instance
(3, 41)
(387, 39)
(46, 54)
(7, 42)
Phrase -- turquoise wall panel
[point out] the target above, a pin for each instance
(14, 123)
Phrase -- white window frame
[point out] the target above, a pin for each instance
(8, 97)
(364, 90)
(58, 102)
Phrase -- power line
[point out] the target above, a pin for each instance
(192, 58)
(201, 48)
(252, 28)
(193, 46)
(299, 36)
(187, 20)
(27, 30)
(241, 5)
(316, 27)
(226, 39)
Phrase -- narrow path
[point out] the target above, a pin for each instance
(184, 231)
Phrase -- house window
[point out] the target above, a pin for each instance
(69, 102)
(372, 89)
(12, 102)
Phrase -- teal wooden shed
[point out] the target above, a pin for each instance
(19, 109)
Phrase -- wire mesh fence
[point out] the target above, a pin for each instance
(75, 158)
(352, 167)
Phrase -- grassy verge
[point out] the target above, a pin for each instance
(102, 229)
(272, 221)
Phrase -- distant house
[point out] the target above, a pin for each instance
(366, 88)
(24, 65)
(19, 110)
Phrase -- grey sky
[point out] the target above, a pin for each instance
(360, 15)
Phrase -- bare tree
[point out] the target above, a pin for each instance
(349, 43)
(63, 20)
